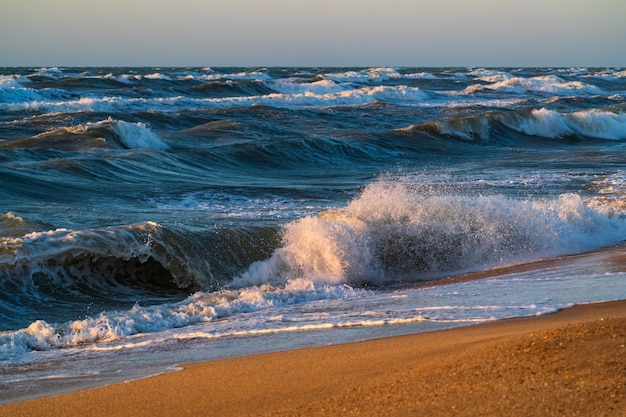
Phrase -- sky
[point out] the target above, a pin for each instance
(339, 33)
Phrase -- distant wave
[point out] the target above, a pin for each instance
(58, 91)
(543, 123)
(545, 84)
(399, 95)
(105, 133)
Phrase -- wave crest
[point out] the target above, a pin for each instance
(587, 123)
(543, 123)
(101, 134)
(393, 232)
(542, 84)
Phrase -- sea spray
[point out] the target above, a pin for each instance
(394, 233)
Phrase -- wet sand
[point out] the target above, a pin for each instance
(569, 363)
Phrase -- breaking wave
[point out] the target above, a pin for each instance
(105, 133)
(551, 84)
(543, 123)
(396, 233)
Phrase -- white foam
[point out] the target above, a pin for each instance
(244, 75)
(317, 87)
(492, 76)
(369, 75)
(590, 123)
(544, 84)
(52, 72)
(198, 308)
(301, 306)
(137, 135)
(156, 76)
(219, 205)
(124, 78)
(613, 184)
(13, 91)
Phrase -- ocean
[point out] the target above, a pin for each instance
(151, 217)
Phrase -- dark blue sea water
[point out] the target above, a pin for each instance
(145, 207)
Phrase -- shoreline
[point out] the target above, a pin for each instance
(570, 362)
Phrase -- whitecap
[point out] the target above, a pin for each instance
(137, 135)
(589, 123)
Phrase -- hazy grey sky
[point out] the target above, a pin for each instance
(313, 33)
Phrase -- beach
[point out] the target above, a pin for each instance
(572, 362)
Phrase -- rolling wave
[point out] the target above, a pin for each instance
(551, 84)
(119, 264)
(105, 133)
(542, 123)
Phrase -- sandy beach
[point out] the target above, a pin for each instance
(569, 363)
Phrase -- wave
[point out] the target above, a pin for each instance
(200, 307)
(15, 94)
(15, 226)
(398, 95)
(135, 135)
(315, 87)
(552, 84)
(543, 123)
(145, 90)
(376, 75)
(117, 265)
(395, 233)
(228, 88)
(118, 254)
(587, 123)
(102, 134)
